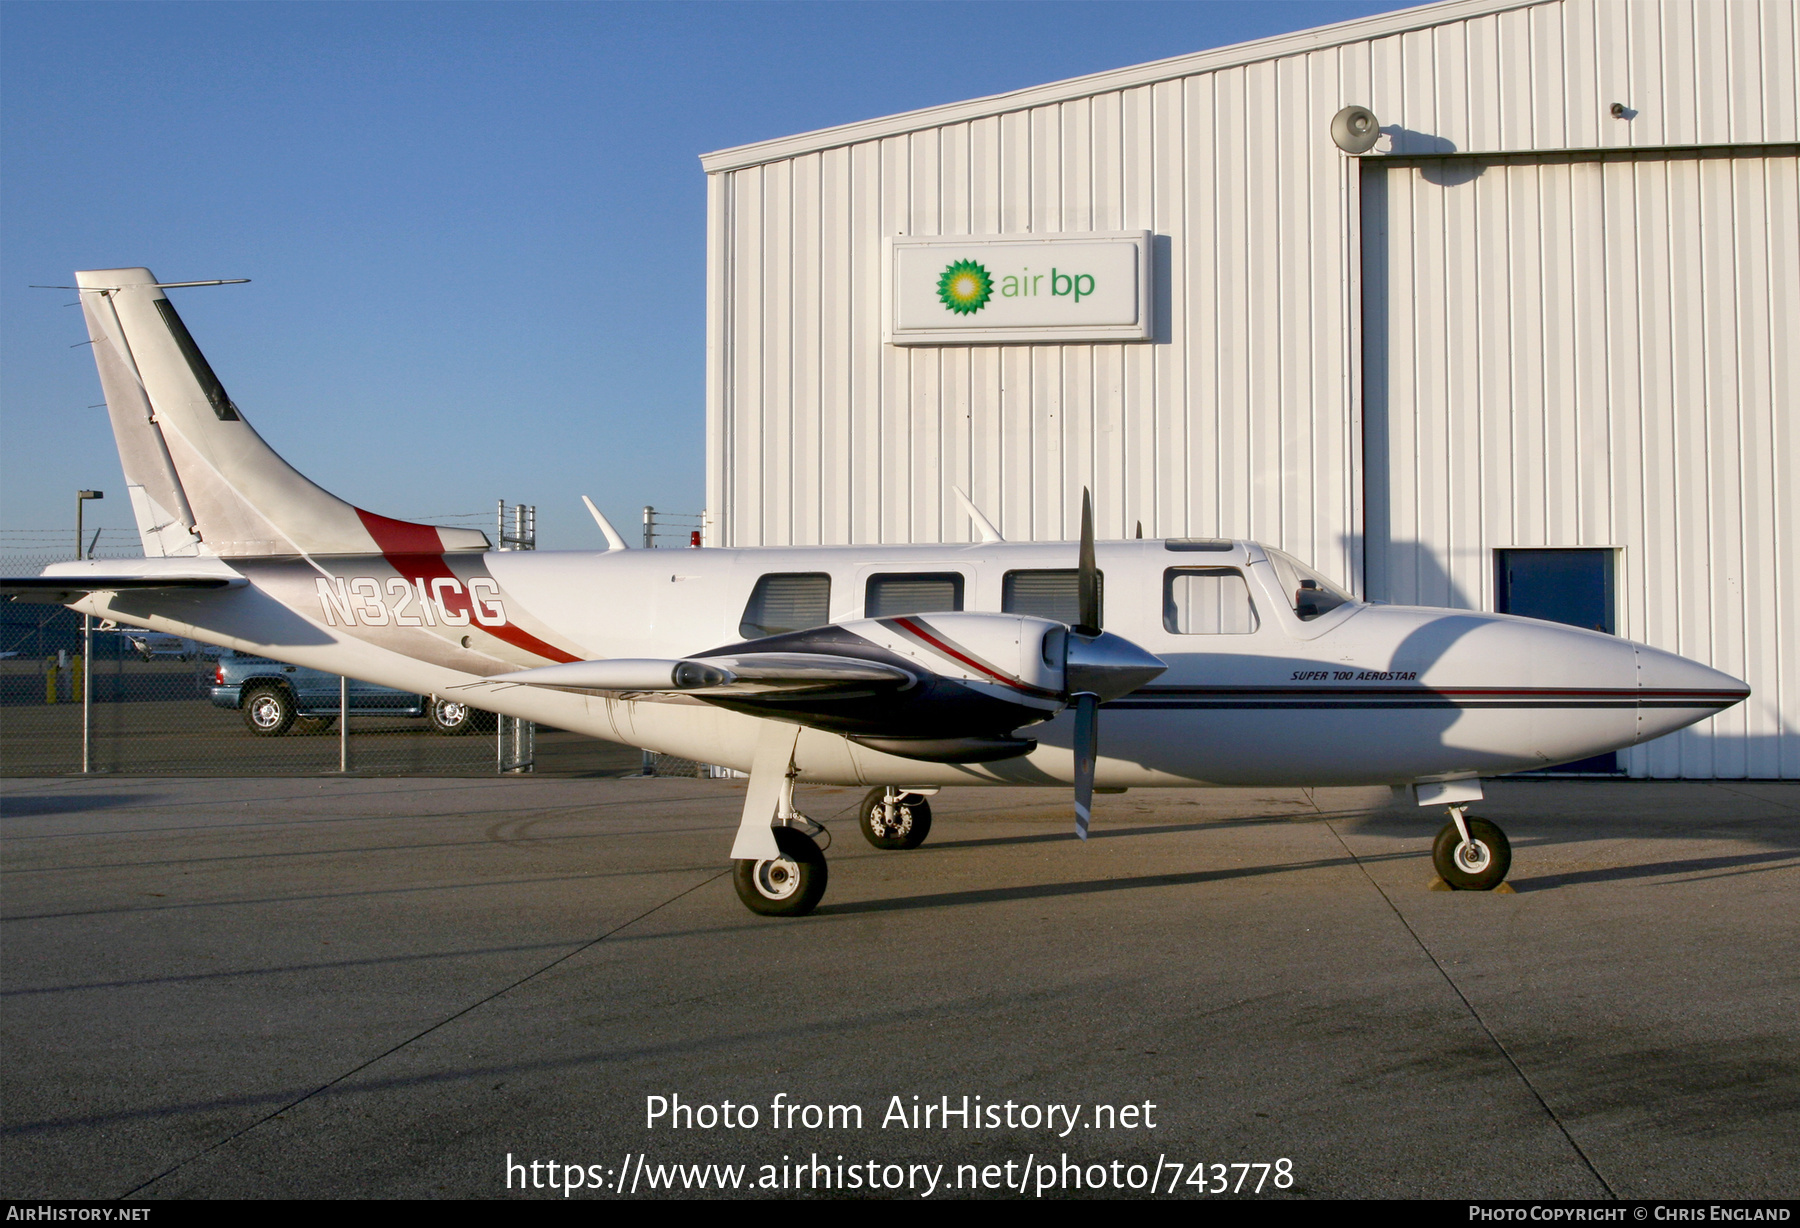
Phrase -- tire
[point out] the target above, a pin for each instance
(452, 717)
(911, 824)
(1491, 856)
(268, 711)
(789, 886)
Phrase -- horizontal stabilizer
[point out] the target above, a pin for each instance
(61, 590)
(739, 673)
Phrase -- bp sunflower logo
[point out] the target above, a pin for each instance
(965, 287)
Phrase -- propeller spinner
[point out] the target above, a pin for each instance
(1100, 666)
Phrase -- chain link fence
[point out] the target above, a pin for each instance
(162, 704)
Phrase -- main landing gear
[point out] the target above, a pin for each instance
(778, 858)
(893, 819)
(789, 885)
(1471, 854)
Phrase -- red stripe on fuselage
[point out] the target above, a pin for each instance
(401, 536)
(417, 553)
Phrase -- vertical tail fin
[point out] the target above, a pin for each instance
(165, 521)
(202, 480)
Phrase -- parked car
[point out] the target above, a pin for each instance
(276, 697)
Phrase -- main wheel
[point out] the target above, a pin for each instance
(790, 885)
(268, 711)
(451, 717)
(906, 830)
(1480, 865)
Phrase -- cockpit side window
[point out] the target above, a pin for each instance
(1207, 601)
(1310, 593)
(787, 601)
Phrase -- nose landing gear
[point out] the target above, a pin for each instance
(1471, 854)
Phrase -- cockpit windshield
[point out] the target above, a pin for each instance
(1310, 593)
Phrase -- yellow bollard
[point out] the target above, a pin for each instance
(77, 664)
(50, 680)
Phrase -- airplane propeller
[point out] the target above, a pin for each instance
(1087, 703)
(1099, 666)
(1087, 576)
(1087, 749)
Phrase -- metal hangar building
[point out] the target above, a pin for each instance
(1531, 349)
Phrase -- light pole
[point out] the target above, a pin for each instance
(87, 638)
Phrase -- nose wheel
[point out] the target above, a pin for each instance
(1471, 854)
(790, 885)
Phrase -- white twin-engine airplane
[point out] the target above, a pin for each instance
(909, 668)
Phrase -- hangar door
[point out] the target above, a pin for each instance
(1598, 351)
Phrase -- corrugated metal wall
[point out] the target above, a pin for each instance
(1237, 423)
(1244, 417)
(1598, 352)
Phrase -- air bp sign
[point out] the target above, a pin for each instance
(1019, 288)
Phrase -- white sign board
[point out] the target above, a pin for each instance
(1018, 288)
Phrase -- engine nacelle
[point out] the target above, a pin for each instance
(977, 679)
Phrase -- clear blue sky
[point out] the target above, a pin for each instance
(476, 231)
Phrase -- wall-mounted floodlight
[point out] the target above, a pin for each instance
(1355, 130)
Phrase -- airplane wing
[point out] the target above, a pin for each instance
(61, 590)
(749, 672)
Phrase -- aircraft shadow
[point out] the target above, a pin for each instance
(1044, 891)
(1658, 869)
(1115, 833)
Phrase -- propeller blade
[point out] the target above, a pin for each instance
(1087, 747)
(1088, 576)
(1087, 704)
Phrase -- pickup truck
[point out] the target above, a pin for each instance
(276, 697)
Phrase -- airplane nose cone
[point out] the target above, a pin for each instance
(1674, 692)
(1108, 665)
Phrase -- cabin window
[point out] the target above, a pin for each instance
(1053, 594)
(1310, 593)
(913, 593)
(1207, 601)
(221, 404)
(785, 602)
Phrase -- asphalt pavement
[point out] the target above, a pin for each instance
(374, 987)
